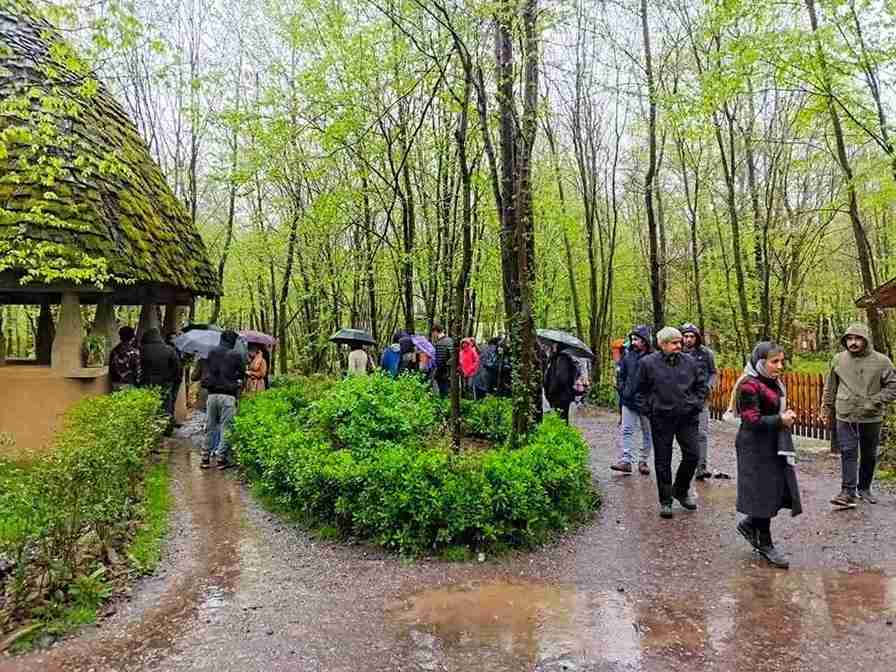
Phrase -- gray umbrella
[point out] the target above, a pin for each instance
(352, 336)
(201, 342)
(568, 341)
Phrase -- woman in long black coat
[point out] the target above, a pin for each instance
(766, 480)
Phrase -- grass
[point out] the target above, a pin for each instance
(145, 550)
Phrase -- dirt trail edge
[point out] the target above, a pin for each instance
(241, 590)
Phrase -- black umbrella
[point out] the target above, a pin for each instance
(351, 336)
(568, 341)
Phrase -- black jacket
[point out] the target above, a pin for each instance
(701, 353)
(444, 357)
(159, 363)
(672, 385)
(559, 380)
(627, 373)
(225, 371)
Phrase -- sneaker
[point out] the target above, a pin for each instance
(225, 465)
(749, 533)
(773, 555)
(643, 468)
(624, 467)
(687, 502)
(666, 511)
(867, 497)
(702, 474)
(845, 500)
(205, 464)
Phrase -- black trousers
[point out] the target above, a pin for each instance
(665, 429)
(858, 439)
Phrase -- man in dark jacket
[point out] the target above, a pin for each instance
(444, 345)
(159, 367)
(633, 403)
(124, 361)
(674, 392)
(559, 381)
(224, 377)
(692, 341)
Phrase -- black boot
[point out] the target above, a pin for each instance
(748, 532)
(686, 501)
(768, 551)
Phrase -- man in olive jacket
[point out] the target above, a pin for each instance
(860, 383)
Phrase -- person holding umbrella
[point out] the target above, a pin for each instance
(358, 360)
(559, 380)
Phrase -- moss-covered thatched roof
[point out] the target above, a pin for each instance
(81, 199)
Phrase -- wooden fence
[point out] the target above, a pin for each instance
(804, 392)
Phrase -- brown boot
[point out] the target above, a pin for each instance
(643, 468)
(624, 467)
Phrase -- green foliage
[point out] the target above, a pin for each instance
(604, 394)
(145, 549)
(491, 418)
(358, 460)
(63, 512)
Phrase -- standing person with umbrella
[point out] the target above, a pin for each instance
(358, 360)
(223, 379)
(256, 371)
(562, 371)
(356, 340)
(674, 390)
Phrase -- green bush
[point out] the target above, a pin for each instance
(604, 394)
(64, 512)
(491, 418)
(362, 460)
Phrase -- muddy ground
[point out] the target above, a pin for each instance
(241, 590)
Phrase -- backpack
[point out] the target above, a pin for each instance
(391, 359)
(469, 359)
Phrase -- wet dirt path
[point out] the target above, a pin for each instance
(241, 590)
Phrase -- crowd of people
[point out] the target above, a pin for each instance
(663, 394)
(224, 375)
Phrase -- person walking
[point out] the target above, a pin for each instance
(160, 367)
(692, 341)
(632, 403)
(124, 361)
(766, 479)
(358, 361)
(225, 372)
(559, 381)
(860, 383)
(674, 392)
(256, 372)
(444, 366)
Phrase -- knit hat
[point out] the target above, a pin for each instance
(667, 334)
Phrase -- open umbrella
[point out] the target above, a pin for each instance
(201, 342)
(423, 345)
(568, 341)
(200, 326)
(259, 338)
(351, 336)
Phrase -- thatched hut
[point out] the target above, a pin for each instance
(86, 218)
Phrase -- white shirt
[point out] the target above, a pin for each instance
(357, 363)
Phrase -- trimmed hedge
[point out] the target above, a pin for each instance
(66, 511)
(368, 459)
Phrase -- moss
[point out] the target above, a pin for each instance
(76, 173)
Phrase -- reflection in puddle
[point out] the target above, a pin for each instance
(763, 611)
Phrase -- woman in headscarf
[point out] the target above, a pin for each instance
(766, 480)
(256, 372)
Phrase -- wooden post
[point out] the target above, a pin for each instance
(46, 332)
(105, 325)
(149, 319)
(66, 350)
(173, 316)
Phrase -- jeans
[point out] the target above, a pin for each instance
(703, 438)
(664, 429)
(444, 386)
(855, 438)
(631, 421)
(221, 409)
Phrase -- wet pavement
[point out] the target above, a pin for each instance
(240, 589)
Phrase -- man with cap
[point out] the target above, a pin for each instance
(860, 383)
(632, 403)
(674, 390)
(692, 341)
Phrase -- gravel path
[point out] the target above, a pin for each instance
(241, 590)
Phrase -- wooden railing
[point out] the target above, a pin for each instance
(804, 392)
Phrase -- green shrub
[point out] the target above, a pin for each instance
(490, 418)
(359, 461)
(66, 510)
(604, 395)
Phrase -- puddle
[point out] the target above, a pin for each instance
(530, 623)
(205, 583)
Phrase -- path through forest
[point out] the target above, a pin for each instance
(241, 590)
